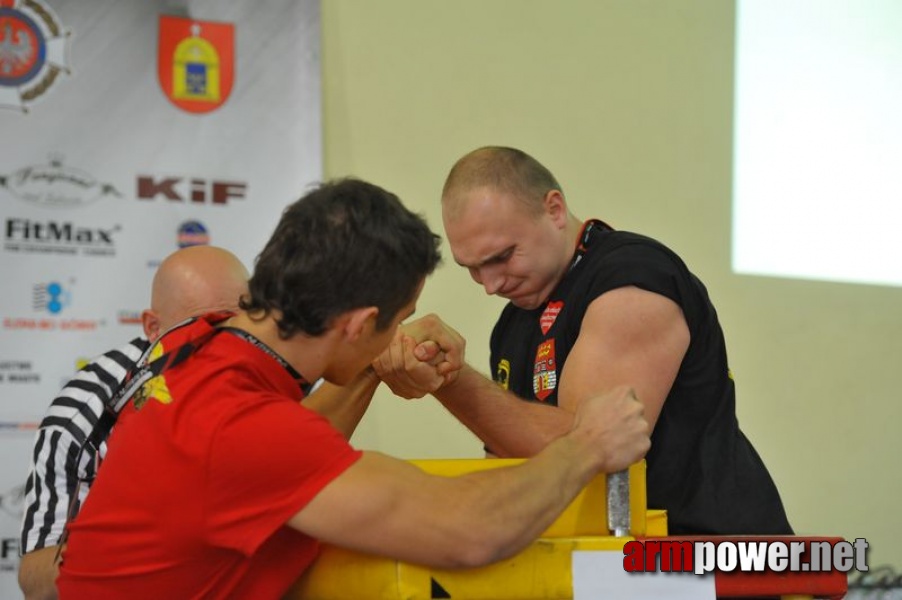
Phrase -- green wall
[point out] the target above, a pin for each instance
(629, 103)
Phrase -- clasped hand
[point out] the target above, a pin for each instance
(424, 355)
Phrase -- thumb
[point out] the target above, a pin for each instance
(426, 350)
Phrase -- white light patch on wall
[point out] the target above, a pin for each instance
(817, 177)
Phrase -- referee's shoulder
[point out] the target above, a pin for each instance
(121, 359)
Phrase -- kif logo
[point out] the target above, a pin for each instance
(33, 52)
(52, 297)
(192, 233)
(195, 62)
(198, 191)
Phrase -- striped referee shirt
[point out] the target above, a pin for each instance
(71, 418)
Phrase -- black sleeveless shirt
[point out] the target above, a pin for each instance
(701, 467)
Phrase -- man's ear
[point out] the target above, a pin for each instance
(358, 321)
(556, 207)
(151, 323)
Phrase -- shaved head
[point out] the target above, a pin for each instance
(193, 281)
(506, 220)
(500, 169)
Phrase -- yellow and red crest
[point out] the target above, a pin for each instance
(196, 62)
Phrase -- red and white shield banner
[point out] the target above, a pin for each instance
(196, 62)
(549, 315)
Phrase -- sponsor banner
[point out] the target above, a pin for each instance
(123, 142)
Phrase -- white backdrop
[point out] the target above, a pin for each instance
(106, 167)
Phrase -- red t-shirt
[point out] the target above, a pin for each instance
(199, 480)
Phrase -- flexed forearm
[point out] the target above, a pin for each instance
(344, 406)
(384, 506)
(509, 426)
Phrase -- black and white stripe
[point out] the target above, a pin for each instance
(72, 416)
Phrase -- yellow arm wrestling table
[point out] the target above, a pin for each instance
(542, 571)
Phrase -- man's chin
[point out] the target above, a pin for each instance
(524, 303)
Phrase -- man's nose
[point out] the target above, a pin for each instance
(492, 282)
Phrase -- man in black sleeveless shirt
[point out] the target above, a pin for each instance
(591, 308)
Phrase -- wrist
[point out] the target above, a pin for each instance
(368, 378)
(588, 451)
(449, 388)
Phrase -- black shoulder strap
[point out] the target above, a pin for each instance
(142, 373)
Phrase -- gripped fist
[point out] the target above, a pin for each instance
(430, 328)
(424, 355)
(614, 426)
(409, 369)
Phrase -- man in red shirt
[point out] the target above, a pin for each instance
(189, 282)
(220, 483)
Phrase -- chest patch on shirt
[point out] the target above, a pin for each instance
(503, 374)
(549, 315)
(155, 388)
(544, 374)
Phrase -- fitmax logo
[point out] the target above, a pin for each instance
(181, 189)
(26, 230)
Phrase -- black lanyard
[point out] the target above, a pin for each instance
(583, 245)
(134, 381)
(143, 372)
(258, 343)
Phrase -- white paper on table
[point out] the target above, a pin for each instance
(600, 575)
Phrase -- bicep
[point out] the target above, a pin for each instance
(379, 505)
(628, 336)
(264, 463)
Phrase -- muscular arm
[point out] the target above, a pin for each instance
(477, 402)
(628, 336)
(344, 406)
(384, 506)
(506, 424)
